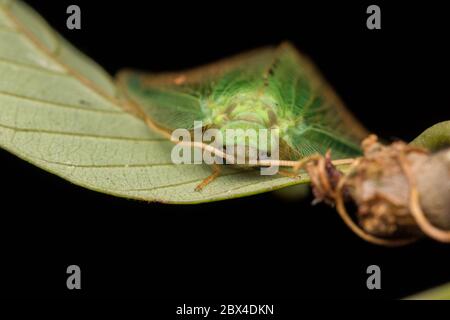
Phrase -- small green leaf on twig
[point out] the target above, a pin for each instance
(435, 137)
(438, 293)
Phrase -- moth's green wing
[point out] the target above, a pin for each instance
(311, 118)
(316, 119)
(176, 99)
(165, 105)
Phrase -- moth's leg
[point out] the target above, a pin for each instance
(301, 163)
(288, 174)
(216, 172)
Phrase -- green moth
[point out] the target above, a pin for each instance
(273, 87)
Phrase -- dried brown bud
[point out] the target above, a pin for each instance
(401, 192)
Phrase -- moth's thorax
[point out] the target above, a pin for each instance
(246, 113)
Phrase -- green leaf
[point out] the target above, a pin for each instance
(435, 137)
(61, 112)
(438, 293)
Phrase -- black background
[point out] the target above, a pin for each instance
(395, 80)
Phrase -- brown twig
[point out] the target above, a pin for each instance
(384, 186)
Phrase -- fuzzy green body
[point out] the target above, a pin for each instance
(270, 88)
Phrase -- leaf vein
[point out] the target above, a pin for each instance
(83, 135)
(61, 105)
